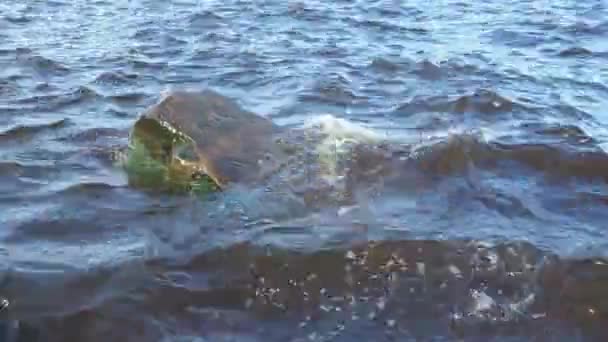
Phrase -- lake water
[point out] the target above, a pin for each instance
(498, 232)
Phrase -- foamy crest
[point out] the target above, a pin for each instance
(336, 138)
(340, 129)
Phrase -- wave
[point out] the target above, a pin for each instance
(459, 152)
(115, 78)
(10, 167)
(379, 24)
(131, 98)
(333, 90)
(57, 101)
(451, 69)
(41, 64)
(8, 88)
(424, 69)
(384, 64)
(575, 52)
(31, 169)
(94, 134)
(141, 63)
(518, 38)
(18, 19)
(302, 11)
(205, 19)
(146, 33)
(563, 133)
(67, 213)
(15, 180)
(27, 131)
(427, 70)
(89, 189)
(62, 229)
(482, 101)
(581, 27)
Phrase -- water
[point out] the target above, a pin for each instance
(503, 104)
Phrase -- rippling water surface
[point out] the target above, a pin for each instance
(497, 231)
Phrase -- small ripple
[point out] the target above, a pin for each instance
(295, 35)
(18, 19)
(89, 189)
(17, 178)
(61, 3)
(144, 64)
(384, 65)
(45, 87)
(333, 90)
(507, 205)
(483, 102)
(53, 102)
(428, 70)
(43, 65)
(517, 38)
(205, 20)
(570, 132)
(60, 229)
(93, 134)
(80, 95)
(541, 24)
(460, 67)
(301, 11)
(378, 24)
(7, 51)
(580, 83)
(581, 27)
(575, 51)
(27, 131)
(116, 112)
(115, 78)
(10, 168)
(332, 50)
(423, 104)
(146, 33)
(565, 109)
(8, 88)
(127, 98)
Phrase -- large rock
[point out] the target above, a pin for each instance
(205, 132)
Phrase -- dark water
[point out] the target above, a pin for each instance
(500, 235)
